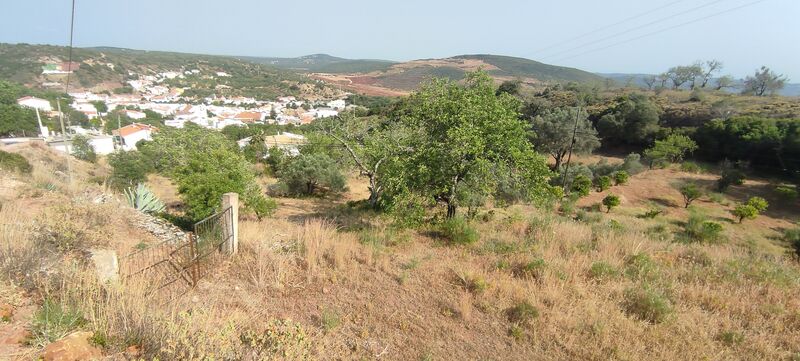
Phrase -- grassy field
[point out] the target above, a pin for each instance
(324, 280)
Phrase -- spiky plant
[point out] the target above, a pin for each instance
(143, 199)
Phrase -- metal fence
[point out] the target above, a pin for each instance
(174, 267)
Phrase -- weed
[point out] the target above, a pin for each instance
(282, 339)
(647, 304)
(53, 321)
(692, 167)
(651, 213)
(602, 270)
(696, 257)
(730, 338)
(330, 319)
(497, 246)
(699, 229)
(640, 267)
(533, 269)
(458, 231)
(14, 162)
(522, 313)
(588, 217)
(516, 332)
(473, 283)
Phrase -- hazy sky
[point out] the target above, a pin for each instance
(766, 33)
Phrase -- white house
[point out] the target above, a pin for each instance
(131, 134)
(134, 114)
(338, 104)
(35, 103)
(325, 113)
(102, 144)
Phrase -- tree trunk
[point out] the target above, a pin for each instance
(451, 210)
(373, 191)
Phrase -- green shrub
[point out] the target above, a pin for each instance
(330, 319)
(534, 268)
(697, 95)
(610, 201)
(582, 185)
(53, 321)
(603, 183)
(620, 177)
(652, 213)
(730, 338)
(718, 198)
(83, 149)
(700, 229)
(308, 174)
(691, 167)
(522, 313)
(143, 199)
(730, 176)
(14, 162)
(792, 236)
(647, 304)
(786, 192)
(640, 266)
(758, 203)
(458, 231)
(602, 270)
(588, 217)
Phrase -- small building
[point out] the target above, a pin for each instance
(338, 104)
(325, 113)
(249, 117)
(133, 114)
(35, 103)
(131, 134)
(102, 144)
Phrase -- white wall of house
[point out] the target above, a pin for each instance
(36, 103)
(130, 140)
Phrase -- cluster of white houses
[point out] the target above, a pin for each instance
(151, 94)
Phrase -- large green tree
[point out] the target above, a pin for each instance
(553, 133)
(463, 137)
(631, 119)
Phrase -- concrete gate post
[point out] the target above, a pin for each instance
(231, 224)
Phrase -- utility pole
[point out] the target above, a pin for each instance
(571, 146)
(64, 140)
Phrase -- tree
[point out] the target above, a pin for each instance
(509, 87)
(709, 68)
(725, 81)
(307, 174)
(620, 177)
(751, 209)
(581, 185)
(372, 143)
(690, 192)
(82, 149)
(100, 106)
(680, 75)
(462, 138)
(611, 201)
(764, 82)
(672, 149)
(631, 119)
(603, 183)
(650, 81)
(553, 131)
(128, 169)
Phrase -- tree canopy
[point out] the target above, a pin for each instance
(554, 129)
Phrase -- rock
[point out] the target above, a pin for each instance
(6, 311)
(17, 336)
(106, 264)
(73, 347)
(133, 351)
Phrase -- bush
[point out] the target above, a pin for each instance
(730, 338)
(457, 231)
(522, 313)
(610, 201)
(281, 339)
(640, 266)
(82, 149)
(602, 270)
(582, 185)
(700, 229)
(697, 95)
(730, 176)
(53, 321)
(603, 183)
(633, 164)
(308, 174)
(620, 177)
(588, 217)
(533, 269)
(14, 162)
(691, 167)
(647, 304)
(129, 169)
(787, 192)
(792, 236)
(758, 203)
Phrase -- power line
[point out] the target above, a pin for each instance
(662, 30)
(660, 20)
(66, 90)
(606, 27)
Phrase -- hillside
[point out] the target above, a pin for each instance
(323, 63)
(401, 78)
(107, 68)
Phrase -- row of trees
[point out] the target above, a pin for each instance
(701, 75)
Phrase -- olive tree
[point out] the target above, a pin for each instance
(764, 82)
(461, 136)
(553, 132)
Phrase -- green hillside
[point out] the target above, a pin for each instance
(521, 67)
(324, 63)
(108, 67)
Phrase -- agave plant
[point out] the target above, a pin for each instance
(143, 199)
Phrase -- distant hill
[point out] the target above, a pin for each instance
(526, 68)
(107, 68)
(637, 80)
(324, 63)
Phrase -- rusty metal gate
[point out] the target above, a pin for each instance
(175, 266)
